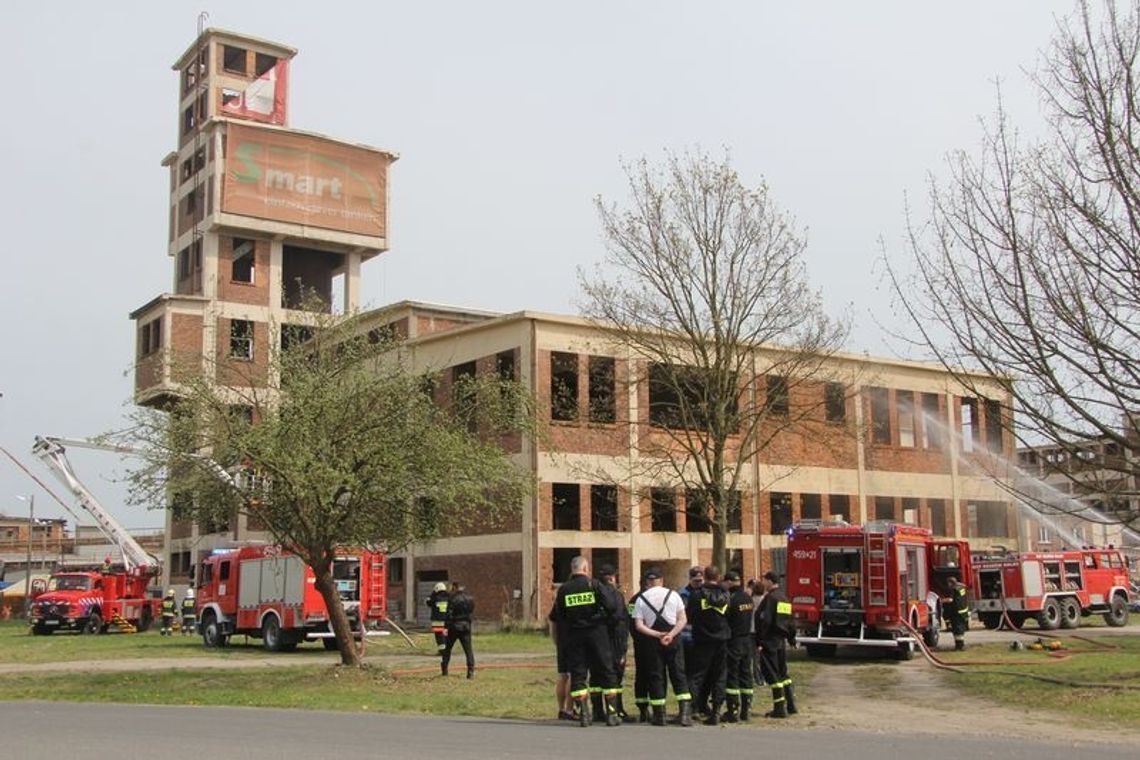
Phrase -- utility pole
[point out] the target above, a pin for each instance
(31, 499)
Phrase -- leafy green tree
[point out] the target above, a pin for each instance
(338, 443)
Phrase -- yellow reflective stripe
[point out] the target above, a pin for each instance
(657, 702)
(783, 608)
(706, 606)
(685, 697)
(579, 693)
(579, 600)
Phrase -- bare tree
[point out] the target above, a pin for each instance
(1029, 267)
(705, 288)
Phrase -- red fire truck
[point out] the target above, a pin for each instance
(861, 585)
(1056, 589)
(92, 597)
(268, 593)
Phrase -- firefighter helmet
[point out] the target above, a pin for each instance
(441, 586)
(170, 592)
(189, 593)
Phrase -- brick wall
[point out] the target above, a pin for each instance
(581, 435)
(242, 372)
(490, 578)
(257, 292)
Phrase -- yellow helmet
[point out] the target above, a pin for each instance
(170, 592)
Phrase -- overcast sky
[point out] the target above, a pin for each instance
(509, 119)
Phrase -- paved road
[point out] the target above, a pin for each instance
(38, 731)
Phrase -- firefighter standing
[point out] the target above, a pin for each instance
(773, 629)
(618, 626)
(958, 614)
(189, 617)
(582, 613)
(437, 603)
(460, 608)
(696, 580)
(640, 657)
(659, 617)
(707, 610)
(169, 611)
(739, 658)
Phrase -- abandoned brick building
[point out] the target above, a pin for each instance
(244, 227)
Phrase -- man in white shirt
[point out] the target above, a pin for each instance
(659, 615)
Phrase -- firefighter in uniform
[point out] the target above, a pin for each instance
(707, 611)
(437, 603)
(169, 610)
(738, 662)
(619, 644)
(958, 614)
(659, 617)
(582, 613)
(640, 657)
(460, 608)
(774, 628)
(189, 617)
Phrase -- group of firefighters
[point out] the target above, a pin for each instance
(706, 640)
(169, 612)
(451, 612)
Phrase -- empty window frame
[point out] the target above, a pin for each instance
(662, 510)
(971, 430)
(779, 512)
(734, 513)
(776, 400)
(885, 508)
(839, 506)
(931, 422)
(904, 401)
(234, 60)
(150, 337)
(465, 394)
(563, 387)
(560, 565)
(603, 507)
(938, 516)
(910, 511)
(993, 424)
(243, 268)
(294, 335)
(599, 558)
(241, 339)
(601, 389)
(880, 416)
(505, 366)
(835, 402)
(811, 506)
(989, 519)
(566, 506)
(262, 63)
(697, 512)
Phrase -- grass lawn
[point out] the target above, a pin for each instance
(17, 645)
(1117, 663)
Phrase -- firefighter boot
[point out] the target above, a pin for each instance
(745, 707)
(659, 715)
(730, 715)
(959, 644)
(642, 713)
(790, 700)
(685, 712)
(713, 718)
(470, 673)
(625, 717)
(779, 706)
(598, 712)
(583, 708)
(443, 668)
(612, 717)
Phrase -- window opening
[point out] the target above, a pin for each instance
(776, 401)
(780, 511)
(811, 506)
(602, 398)
(931, 422)
(839, 506)
(969, 431)
(880, 416)
(938, 517)
(560, 567)
(262, 64)
(234, 59)
(663, 510)
(241, 339)
(905, 402)
(603, 507)
(566, 507)
(993, 424)
(243, 261)
(465, 394)
(884, 508)
(563, 386)
(835, 402)
(698, 518)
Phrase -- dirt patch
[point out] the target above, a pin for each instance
(852, 696)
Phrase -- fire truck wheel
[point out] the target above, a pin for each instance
(930, 636)
(991, 620)
(211, 634)
(94, 624)
(1070, 613)
(42, 630)
(1117, 615)
(904, 651)
(1049, 618)
(145, 620)
(820, 650)
(271, 634)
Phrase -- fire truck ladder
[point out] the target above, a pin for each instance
(876, 569)
(377, 580)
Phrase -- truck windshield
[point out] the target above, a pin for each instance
(69, 583)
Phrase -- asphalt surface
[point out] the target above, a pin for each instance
(38, 730)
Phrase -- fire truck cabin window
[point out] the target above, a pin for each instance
(224, 571)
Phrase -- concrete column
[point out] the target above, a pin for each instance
(352, 282)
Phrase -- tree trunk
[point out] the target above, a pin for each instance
(338, 619)
(719, 532)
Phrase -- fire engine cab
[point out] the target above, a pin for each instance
(268, 593)
(1056, 589)
(856, 585)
